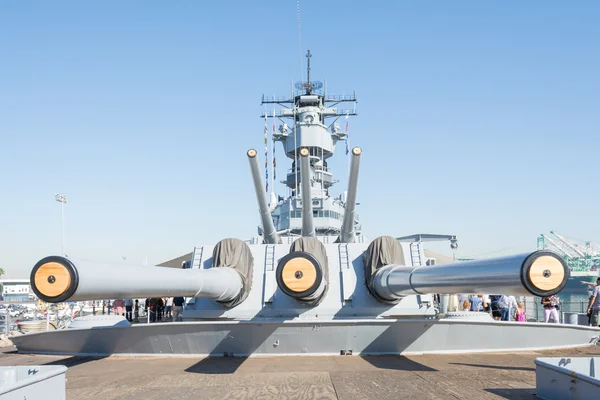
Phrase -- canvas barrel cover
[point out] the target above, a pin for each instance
(316, 249)
(234, 253)
(384, 250)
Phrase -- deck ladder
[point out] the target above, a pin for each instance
(197, 257)
(344, 258)
(347, 275)
(415, 254)
(269, 282)
(270, 257)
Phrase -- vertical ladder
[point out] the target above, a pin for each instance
(269, 282)
(348, 279)
(197, 257)
(270, 257)
(415, 254)
(344, 258)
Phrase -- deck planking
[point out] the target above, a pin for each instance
(458, 376)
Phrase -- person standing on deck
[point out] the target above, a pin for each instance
(520, 312)
(136, 311)
(494, 307)
(512, 306)
(168, 307)
(503, 305)
(594, 305)
(177, 307)
(476, 303)
(129, 309)
(118, 307)
(550, 310)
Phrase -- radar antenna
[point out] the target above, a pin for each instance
(308, 86)
(308, 56)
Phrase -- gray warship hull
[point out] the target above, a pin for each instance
(285, 337)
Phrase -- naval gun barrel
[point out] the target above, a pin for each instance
(308, 228)
(269, 233)
(541, 273)
(56, 279)
(348, 233)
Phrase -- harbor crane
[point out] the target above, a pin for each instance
(581, 259)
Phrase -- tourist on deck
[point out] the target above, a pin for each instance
(550, 310)
(129, 309)
(512, 306)
(503, 305)
(594, 305)
(466, 305)
(168, 308)
(476, 303)
(494, 307)
(520, 312)
(486, 303)
(177, 307)
(136, 311)
(118, 307)
(156, 304)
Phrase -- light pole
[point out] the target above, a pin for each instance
(61, 198)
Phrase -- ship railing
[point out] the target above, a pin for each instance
(534, 311)
(341, 112)
(25, 319)
(276, 99)
(340, 97)
(302, 92)
(317, 170)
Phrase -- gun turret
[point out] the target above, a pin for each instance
(56, 279)
(303, 273)
(269, 233)
(308, 229)
(541, 273)
(348, 234)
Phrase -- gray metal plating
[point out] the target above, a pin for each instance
(287, 337)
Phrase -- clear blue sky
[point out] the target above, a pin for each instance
(479, 119)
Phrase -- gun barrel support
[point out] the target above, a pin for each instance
(348, 234)
(269, 233)
(308, 229)
(56, 279)
(541, 273)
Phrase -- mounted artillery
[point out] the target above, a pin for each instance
(310, 282)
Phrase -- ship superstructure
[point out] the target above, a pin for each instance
(309, 120)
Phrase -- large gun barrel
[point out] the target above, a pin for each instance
(56, 279)
(308, 229)
(269, 233)
(541, 273)
(348, 234)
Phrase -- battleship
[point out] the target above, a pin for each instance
(311, 282)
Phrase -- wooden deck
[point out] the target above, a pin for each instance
(466, 376)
